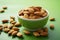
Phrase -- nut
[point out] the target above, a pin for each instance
(37, 8)
(37, 13)
(11, 20)
(25, 15)
(36, 34)
(19, 34)
(52, 19)
(14, 33)
(5, 21)
(40, 31)
(4, 7)
(1, 11)
(10, 32)
(26, 12)
(31, 10)
(6, 29)
(21, 13)
(45, 14)
(5, 25)
(17, 24)
(15, 28)
(51, 26)
(26, 32)
(44, 34)
(12, 17)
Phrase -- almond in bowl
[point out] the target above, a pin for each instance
(33, 18)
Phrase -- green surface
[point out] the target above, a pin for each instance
(53, 7)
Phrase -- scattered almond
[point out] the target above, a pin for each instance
(15, 28)
(52, 19)
(4, 7)
(17, 24)
(6, 29)
(36, 34)
(51, 26)
(14, 33)
(26, 32)
(5, 21)
(10, 32)
(19, 34)
(1, 11)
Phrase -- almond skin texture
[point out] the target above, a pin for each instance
(44, 34)
(52, 19)
(4, 7)
(2, 11)
(10, 32)
(17, 24)
(15, 28)
(19, 34)
(36, 34)
(51, 26)
(26, 32)
(14, 33)
(6, 29)
(5, 21)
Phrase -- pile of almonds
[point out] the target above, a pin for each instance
(33, 13)
(12, 28)
(41, 32)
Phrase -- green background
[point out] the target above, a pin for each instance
(53, 7)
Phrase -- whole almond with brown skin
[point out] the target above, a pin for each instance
(52, 19)
(5, 21)
(15, 28)
(10, 32)
(36, 34)
(6, 29)
(4, 7)
(44, 34)
(2, 11)
(17, 24)
(14, 33)
(51, 26)
(12, 17)
(19, 34)
(11, 20)
(26, 32)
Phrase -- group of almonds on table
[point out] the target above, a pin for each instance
(3, 9)
(13, 29)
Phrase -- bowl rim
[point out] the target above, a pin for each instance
(35, 19)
